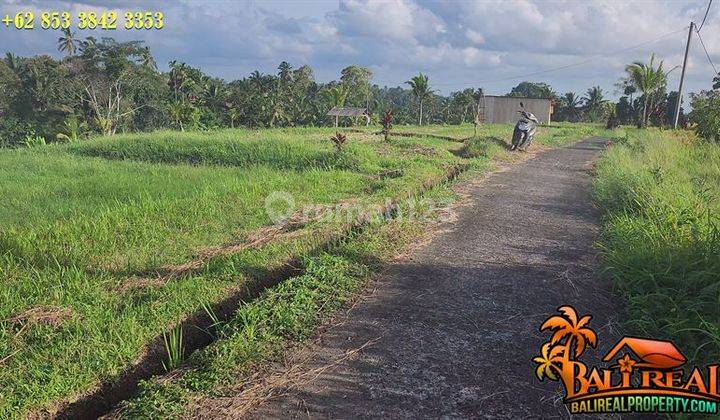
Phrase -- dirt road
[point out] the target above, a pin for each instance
(451, 330)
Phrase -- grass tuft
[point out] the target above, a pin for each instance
(173, 348)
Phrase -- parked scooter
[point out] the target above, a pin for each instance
(525, 130)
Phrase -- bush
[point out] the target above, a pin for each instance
(13, 131)
(706, 115)
(34, 141)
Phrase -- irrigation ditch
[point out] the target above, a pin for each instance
(195, 327)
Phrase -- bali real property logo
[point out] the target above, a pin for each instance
(642, 375)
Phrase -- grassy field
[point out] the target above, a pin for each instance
(85, 223)
(660, 192)
(554, 135)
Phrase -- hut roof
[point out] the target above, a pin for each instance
(346, 111)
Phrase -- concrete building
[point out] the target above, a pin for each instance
(503, 109)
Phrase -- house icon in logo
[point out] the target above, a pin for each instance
(651, 354)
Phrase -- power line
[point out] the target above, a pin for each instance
(705, 17)
(579, 63)
(553, 69)
(706, 52)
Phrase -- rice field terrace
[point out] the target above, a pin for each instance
(91, 229)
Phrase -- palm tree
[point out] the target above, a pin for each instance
(233, 114)
(67, 42)
(336, 95)
(594, 100)
(284, 72)
(571, 103)
(648, 79)
(421, 89)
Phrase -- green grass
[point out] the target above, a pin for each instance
(289, 311)
(242, 148)
(80, 221)
(555, 134)
(660, 192)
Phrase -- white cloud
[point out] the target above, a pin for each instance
(459, 43)
(475, 37)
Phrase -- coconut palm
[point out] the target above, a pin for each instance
(421, 89)
(571, 102)
(233, 114)
(594, 98)
(648, 79)
(67, 42)
(594, 101)
(336, 95)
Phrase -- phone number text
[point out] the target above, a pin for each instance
(109, 20)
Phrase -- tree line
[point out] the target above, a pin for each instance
(104, 86)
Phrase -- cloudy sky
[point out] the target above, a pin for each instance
(462, 43)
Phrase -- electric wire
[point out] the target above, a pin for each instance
(706, 52)
(705, 17)
(553, 69)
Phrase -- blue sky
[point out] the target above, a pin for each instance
(458, 44)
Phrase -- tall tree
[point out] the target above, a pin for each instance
(12, 61)
(594, 102)
(356, 80)
(147, 60)
(421, 89)
(571, 106)
(648, 79)
(533, 90)
(335, 95)
(285, 72)
(625, 111)
(67, 42)
(461, 104)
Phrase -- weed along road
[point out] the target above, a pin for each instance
(451, 329)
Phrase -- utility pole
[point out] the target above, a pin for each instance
(682, 77)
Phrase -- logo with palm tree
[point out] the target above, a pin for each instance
(646, 375)
(569, 340)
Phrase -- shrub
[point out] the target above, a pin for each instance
(706, 115)
(386, 121)
(13, 131)
(34, 141)
(339, 139)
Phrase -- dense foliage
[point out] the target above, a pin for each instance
(705, 115)
(105, 87)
